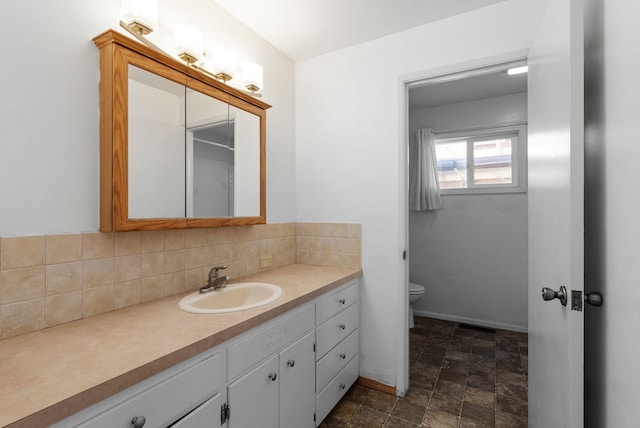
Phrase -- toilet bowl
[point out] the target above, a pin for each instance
(416, 292)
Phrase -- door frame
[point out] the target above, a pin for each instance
(434, 75)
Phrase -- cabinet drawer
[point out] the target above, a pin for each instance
(336, 302)
(337, 328)
(206, 415)
(267, 341)
(166, 401)
(329, 397)
(335, 360)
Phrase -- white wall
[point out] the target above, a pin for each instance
(49, 142)
(612, 210)
(349, 145)
(471, 255)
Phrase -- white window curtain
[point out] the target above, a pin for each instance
(424, 192)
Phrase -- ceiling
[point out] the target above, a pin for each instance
(307, 28)
(490, 85)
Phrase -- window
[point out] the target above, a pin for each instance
(483, 161)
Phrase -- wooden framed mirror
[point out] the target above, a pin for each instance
(178, 149)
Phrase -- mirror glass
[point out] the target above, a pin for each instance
(156, 146)
(189, 154)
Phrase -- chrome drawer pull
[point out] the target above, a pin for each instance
(273, 376)
(342, 326)
(343, 356)
(138, 421)
(343, 386)
(291, 363)
(342, 301)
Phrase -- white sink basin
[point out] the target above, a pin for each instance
(232, 298)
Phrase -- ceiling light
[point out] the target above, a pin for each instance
(517, 70)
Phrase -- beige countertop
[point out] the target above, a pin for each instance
(52, 373)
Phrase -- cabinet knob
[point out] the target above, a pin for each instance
(342, 356)
(138, 421)
(291, 363)
(342, 326)
(343, 386)
(342, 301)
(273, 376)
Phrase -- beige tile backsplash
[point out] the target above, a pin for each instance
(53, 279)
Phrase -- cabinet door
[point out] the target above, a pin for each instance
(253, 398)
(206, 416)
(297, 380)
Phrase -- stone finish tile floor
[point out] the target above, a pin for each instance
(461, 377)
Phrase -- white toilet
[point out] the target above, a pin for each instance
(416, 291)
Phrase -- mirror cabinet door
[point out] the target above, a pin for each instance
(156, 146)
(245, 171)
(209, 151)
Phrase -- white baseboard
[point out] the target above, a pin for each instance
(480, 323)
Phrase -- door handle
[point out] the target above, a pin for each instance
(593, 298)
(549, 294)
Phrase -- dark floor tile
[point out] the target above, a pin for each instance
(418, 395)
(484, 351)
(424, 381)
(393, 422)
(485, 367)
(440, 419)
(455, 365)
(461, 346)
(469, 423)
(481, 398)
(478, 414)
(357, 393)
(457, 356)
(515, 407)
(417, 340)
(381, 401)
(453, 376)
(508, 420)
(509, 366)
(366, 417)
(480, 382)
(485, 335)
(445, 404)
(425, 332)
(509, 377)
(484, 343)
(461, 331)
(437, 342)
(449, 389)
(409, 412)
(513, 391)
(341, 414)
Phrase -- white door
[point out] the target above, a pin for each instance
(556, 247)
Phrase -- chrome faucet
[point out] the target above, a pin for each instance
(215, 282)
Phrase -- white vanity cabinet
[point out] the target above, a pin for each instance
(286, 373)
(337, 347)
(193, 390)
(279, 391)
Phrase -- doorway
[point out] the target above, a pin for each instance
(471, 255)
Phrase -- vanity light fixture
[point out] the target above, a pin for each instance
(189, 43)
(517, 70)
(140, 16)
(222, 64)
(252, 75)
